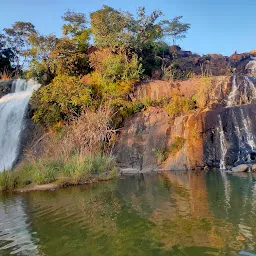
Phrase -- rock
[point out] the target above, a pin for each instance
(153, 90)
(211, 135)
(143, 134)
(5, 87)
(240, 168)
(254, 168)
(251, 67)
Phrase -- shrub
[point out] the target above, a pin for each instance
(115, 67)
(179, 105)
(65, 97)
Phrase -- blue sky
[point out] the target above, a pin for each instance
(217, 26)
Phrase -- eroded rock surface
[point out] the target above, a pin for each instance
(223, 135)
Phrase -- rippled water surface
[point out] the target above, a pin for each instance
(179, 214)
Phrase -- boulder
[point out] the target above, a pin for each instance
(240, 168)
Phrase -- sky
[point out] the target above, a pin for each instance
(217, 26)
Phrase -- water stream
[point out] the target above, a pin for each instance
(223, 144)
(12, 110)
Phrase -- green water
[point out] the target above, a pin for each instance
(180, 214)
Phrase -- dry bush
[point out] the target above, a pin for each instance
(90, 133)
(204, 88)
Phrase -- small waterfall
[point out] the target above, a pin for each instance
(223, 145)
(233, 93)
(248, 130)
(243, 91)
(241, 143)
(12, 110)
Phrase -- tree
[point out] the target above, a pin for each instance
(52, 56)
(76, 23)
(42, 65)
(147, 29)
(175, 28)
(111, 28)
(6, 56)
(18, 40)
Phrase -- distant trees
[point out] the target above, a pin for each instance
(175, 28)
(125, 49)
(18, 40)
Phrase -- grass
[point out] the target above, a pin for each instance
(75, 170)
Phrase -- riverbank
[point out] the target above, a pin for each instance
(77, 169)
(59, 184)
(62, 182)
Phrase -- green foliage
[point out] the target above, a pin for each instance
(141, 34)
(75, 23)
(81, 168)
(65, 97)
(7, 180)
(110, 28)
(175, 28)
(74, 170)
(18, 40)
(125, 48)
(179, 105)
(116, 67)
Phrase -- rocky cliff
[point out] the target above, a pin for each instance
(221, 135)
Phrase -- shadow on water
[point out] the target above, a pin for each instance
(178, 214)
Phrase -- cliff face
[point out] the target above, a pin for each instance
(221, 135)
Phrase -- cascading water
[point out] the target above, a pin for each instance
(223, 145)
(243, 91)
(12, 110)
(248, 130)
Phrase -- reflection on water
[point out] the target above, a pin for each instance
(16, 237)
(178, 214)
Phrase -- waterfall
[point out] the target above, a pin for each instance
(248, 130)
(223, 146)
(12, 110)
(243, 91)
(233, 93)
(241, 143)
